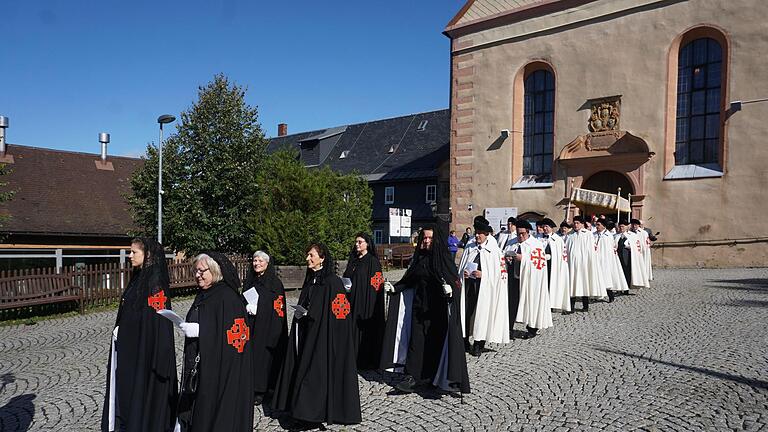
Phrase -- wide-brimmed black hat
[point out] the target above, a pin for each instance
(548, 222)
(481, 224)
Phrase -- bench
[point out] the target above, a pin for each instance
(33, 290)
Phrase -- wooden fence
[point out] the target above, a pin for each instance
(42, 291)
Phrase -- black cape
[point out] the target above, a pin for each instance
(269, 331)
(224, 397)
(423, 335)
(367, 299)
(145, 377)
(318, 380)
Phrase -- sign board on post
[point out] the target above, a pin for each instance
(405, 223)
(394, 222)
(399, 222)
(497, 216)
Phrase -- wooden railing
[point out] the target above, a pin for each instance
(40, 291)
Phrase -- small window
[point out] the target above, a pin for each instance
(344, 154)
(431, 193)
(389, 195)
(422, 125)
(378, 236)
(391, 149)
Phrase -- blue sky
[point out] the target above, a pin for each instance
(70, 69)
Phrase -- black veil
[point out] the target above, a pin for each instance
(329, 266)
(250, 277)
(228, 270)
(371, 246)
(153, 273)
(442, 264)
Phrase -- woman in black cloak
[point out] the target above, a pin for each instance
(217, 380)
(269, 323)
(367, 299)
(318, 380)
(423, 334)
(142, 390)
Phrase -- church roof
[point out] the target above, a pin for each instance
(400, 148)
(65, 193)
(481, 14)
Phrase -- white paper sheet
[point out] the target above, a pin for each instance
(171, 316)
(471, 267)
(251, 296)
(347, 283)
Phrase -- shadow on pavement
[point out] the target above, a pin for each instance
(17, 414)
(754, 383)
(751, 284)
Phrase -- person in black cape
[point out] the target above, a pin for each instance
(423, 334)
(141, 388)
(318, 380)
(367, 299)
(217, 379)
(269, 323)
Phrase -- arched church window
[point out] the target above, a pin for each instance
(538, 124)
(699, 102)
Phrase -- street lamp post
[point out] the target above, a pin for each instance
(163, 119)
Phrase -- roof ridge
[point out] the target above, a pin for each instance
(96, 155)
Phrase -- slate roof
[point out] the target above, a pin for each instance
(417, 153)
(63, 193)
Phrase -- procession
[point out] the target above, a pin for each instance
(239, 350)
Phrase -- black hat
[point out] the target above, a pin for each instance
(635, 221)
(548, 222)
(565, 224)
(481, 224)
(511, 220)
(523, 224)
(578, 218)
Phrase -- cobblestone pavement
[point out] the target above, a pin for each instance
(691, 353)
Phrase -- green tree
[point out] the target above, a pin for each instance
(209, 169)
(301, 205)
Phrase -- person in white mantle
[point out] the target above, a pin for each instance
(645, 246)
(534, 309)
(608, 261)
(629, 248)
(586, 279)
(507, 240)
(557, 267)
(484, 315)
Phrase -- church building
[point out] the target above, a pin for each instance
(666, 100)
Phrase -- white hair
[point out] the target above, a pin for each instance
(213, 266)
(261, 254)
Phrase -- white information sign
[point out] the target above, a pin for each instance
(497, 217)
(399, 222)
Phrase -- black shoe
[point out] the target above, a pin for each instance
(407, 385)
(567, 312)
(258, 398)
(511, 335)
(467, 346)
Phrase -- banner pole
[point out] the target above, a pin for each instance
(618, 206)
(629, 198)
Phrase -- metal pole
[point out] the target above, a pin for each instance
(160, 187)
(618, 206)
(629, 198)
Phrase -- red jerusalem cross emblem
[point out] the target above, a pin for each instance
(503, 265)
(376, 281)
(638, 245)
(565, 255)
(157, 301)
(340, 306)
(278, 304)
(538, 258)
(239, 334)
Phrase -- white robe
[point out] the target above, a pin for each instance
(492, 312)
(559, 282)
(634, 244)
(609, 262)
(534, 309)
(646, 253)
(586, 279)
(506, 241)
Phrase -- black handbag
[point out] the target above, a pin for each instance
(190, 378)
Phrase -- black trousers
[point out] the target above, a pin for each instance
(472, 287)
(584, 303)
(513, 296)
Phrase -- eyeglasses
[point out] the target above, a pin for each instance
(201, 271)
